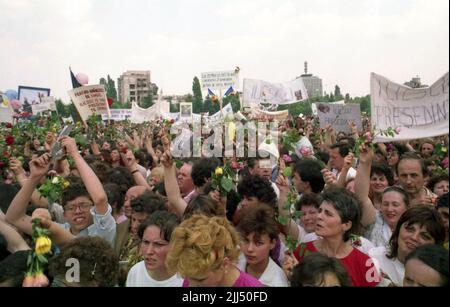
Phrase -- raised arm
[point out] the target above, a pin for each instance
(16, 214)
(132, 166)
(291, 227)
(90, 180)
(171, 184)
(362, 186)
(58, 235)
(13, 238)
(348, 162)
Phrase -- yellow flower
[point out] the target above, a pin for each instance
(66, 184)
(55, 180)
(43, 245)
(219, 171)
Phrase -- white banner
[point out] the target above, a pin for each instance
(6, 112)
(140, 115)
(266, 115)
(39, 108)
(186, 112)
(219, 80)
(314, 105)
(419, 112)
(50, 100)
(339, 116)
(258, 91)
(118, 114)
(90, 100)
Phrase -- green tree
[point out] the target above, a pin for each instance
(337, 93)
(188, 98)
(147, 102)
(62, 109)
(111, 91)
(197, 105)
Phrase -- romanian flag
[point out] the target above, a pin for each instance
(75, 82)
(230, 91)
(213, 96)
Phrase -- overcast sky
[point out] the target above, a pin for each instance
(343, 40)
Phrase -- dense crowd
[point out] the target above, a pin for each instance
(313, 207)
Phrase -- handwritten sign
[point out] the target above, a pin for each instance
(90, 100)
(419, 112)
(339, 116)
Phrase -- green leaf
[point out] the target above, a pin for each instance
(287, 172)
(283, 220)
(226, 184)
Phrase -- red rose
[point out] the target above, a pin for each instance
(2, 164)
(172, 121)
(125, 150)
(110, 101)
(8, 125)
(6, 154)
(9, 140)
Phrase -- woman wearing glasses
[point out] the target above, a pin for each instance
(379, 223)
(86, 208)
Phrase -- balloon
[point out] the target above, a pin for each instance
(11, 94)
(15, 104)
(82, 78)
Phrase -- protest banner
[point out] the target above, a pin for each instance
(259, 114)
(118, 114)
(258, 91)
(50, 101)
(314, 105)
(219, 80)
(6, 112)
(90, 100)
(140, 115)
(39, 108)
(419, 112)
(339, 116)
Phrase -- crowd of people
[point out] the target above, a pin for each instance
(343, 213)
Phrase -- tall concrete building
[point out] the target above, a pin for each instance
(415, 83)
(134, 85)
(312, 83)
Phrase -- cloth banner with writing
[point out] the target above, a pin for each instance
(419, 112)
(266, 115)
(258, 91)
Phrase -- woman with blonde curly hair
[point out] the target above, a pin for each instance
(204, 251)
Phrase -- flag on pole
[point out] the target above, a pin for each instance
(230, 91)
(213, 96)
(75, 82)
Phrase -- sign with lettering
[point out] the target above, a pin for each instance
(339, 116)
(90, 100)
(219, 80)
(419, 112)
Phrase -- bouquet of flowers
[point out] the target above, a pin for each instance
(368, 137)
(53, 188)
(38, 257)
(225, 178)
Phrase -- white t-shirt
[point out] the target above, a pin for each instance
(393, 268)
(350, 175)
(379, 233)
(139, 277)
(273, 275)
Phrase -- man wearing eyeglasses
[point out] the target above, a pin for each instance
(86, 208)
